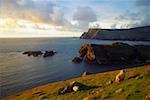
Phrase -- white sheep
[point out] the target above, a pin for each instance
(120, 76)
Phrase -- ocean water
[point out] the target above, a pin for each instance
(19, 72)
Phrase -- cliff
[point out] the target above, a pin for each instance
(115, 54)
(136, 34)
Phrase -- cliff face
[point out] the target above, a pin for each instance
(139, 33)
(116, 53)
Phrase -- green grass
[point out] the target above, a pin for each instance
(130, 89)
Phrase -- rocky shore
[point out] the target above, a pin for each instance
(114, 54)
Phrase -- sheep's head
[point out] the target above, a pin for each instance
(122, 71)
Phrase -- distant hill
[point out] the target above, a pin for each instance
(133, 34)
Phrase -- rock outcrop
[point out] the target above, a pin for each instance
(136, 34)
(114, 54)
(86, 73)
(33, 53)
(77, 60)
(49, 53)
(39, 53)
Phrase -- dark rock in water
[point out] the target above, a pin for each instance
(33, 53)
(39, 53)
(114, 54)
(77, 60)
(86, 73)
(48, 53)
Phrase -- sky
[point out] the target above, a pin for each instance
(67, 18)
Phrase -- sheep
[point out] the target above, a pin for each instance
(120, 76)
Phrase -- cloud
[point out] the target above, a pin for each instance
(56, 16)
(128, 15)
(138, 17)
(143, 7)
(37, 11)
(142, 3)
(26, 9)
(84, 15)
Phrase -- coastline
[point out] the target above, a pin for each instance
(123, 40)
(50, 90)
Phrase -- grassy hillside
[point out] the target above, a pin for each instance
(136, 86)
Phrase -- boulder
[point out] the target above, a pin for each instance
(33, 53)
(48, 53)
(77, 60)
(63, 90)
(86, 73)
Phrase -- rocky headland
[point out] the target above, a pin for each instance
(117, 53)
(132, 34)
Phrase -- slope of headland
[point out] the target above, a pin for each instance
(132, 34)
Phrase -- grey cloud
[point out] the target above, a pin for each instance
(143, 3)
(128, 15)
(140, 17)
(144, 12)
(113, 26)
(57, 17)
(84, 15)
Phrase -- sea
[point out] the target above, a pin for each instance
(19, 72)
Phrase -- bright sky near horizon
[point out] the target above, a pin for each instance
(62, 18)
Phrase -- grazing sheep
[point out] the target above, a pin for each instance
(76, 88)
(120, 76)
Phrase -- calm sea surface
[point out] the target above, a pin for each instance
(19, 72)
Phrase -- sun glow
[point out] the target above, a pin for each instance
(10, 28)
